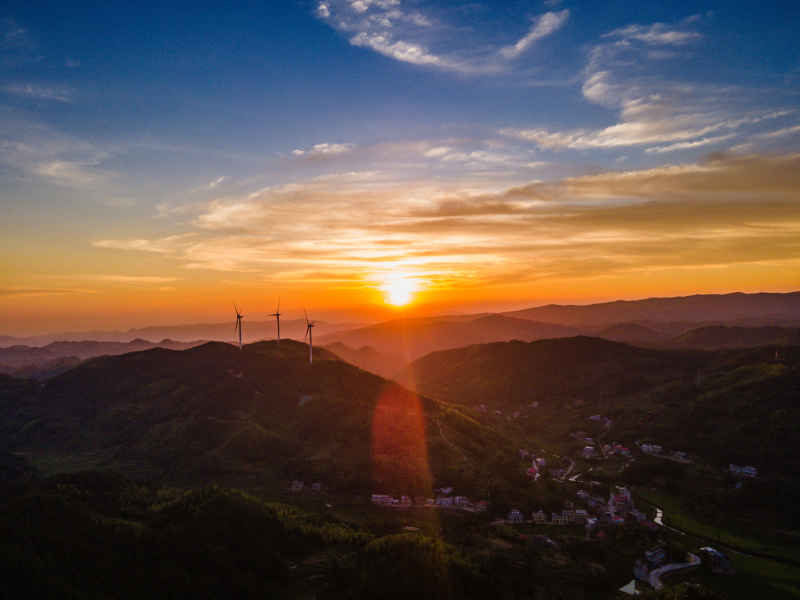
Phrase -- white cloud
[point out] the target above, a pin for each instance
(38, 92)
(655, 34)
(687, 145)
(545, 25)
(72, 173)
(651, 109)
(780, 132)
(411, 36)
(324, 150)
(215, 182)
(400, 50)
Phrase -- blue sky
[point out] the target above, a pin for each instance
(148, 148)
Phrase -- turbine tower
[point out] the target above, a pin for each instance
(238, 326)
(277, 315)
(310, 336)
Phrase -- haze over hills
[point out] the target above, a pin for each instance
(761, 308)
(58, 357)
(411, 338)
(253, 331)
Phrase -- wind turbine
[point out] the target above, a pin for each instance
(310, 336)
(277, 315)
(238, 326)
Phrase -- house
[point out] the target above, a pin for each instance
(515, 516)
(461, 501)
(539, 517)
(383, 499)
(748, 471)
(652, 448)
(557, 519)
(581, 515)
(569, 515)
(296, 486)
(444, 501)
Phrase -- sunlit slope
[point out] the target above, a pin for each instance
(736, 405)
(261, 413)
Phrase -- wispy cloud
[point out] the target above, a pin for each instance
(38, 92)
(411, 36)
(656, 34)
(651, 110)
(743, 209)
(324, 150)
(545, 25)
(693, 144)
(786, 131)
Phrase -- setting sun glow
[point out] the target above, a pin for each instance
(399, 292)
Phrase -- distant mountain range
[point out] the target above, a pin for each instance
(754, 309)
(253, 331)
(56, 357)
(412, 338)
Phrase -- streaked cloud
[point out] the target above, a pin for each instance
(726, 210)
(415, 37)
(657, 34)
(38, 92)
(544, 25)
(324, 150)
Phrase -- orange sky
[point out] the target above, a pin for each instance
(730, 224)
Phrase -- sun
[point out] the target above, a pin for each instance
(399, 292)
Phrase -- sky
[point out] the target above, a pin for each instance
(159, 162)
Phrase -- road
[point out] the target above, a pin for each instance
(655, 574)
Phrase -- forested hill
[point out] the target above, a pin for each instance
(735, 406)
(254, 415)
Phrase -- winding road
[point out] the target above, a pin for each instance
(655, 574)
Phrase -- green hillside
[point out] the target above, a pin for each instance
(252, 416)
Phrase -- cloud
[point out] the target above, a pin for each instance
(686, 145)
(545, 25)
(35, 149)
(25, 291)
(324, 150)
(215, 182)
(415, 37)
(655, 34)
(38, 92)
(620, 76)
(786, 131)
(726, 212)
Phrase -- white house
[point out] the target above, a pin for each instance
(515, 516)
